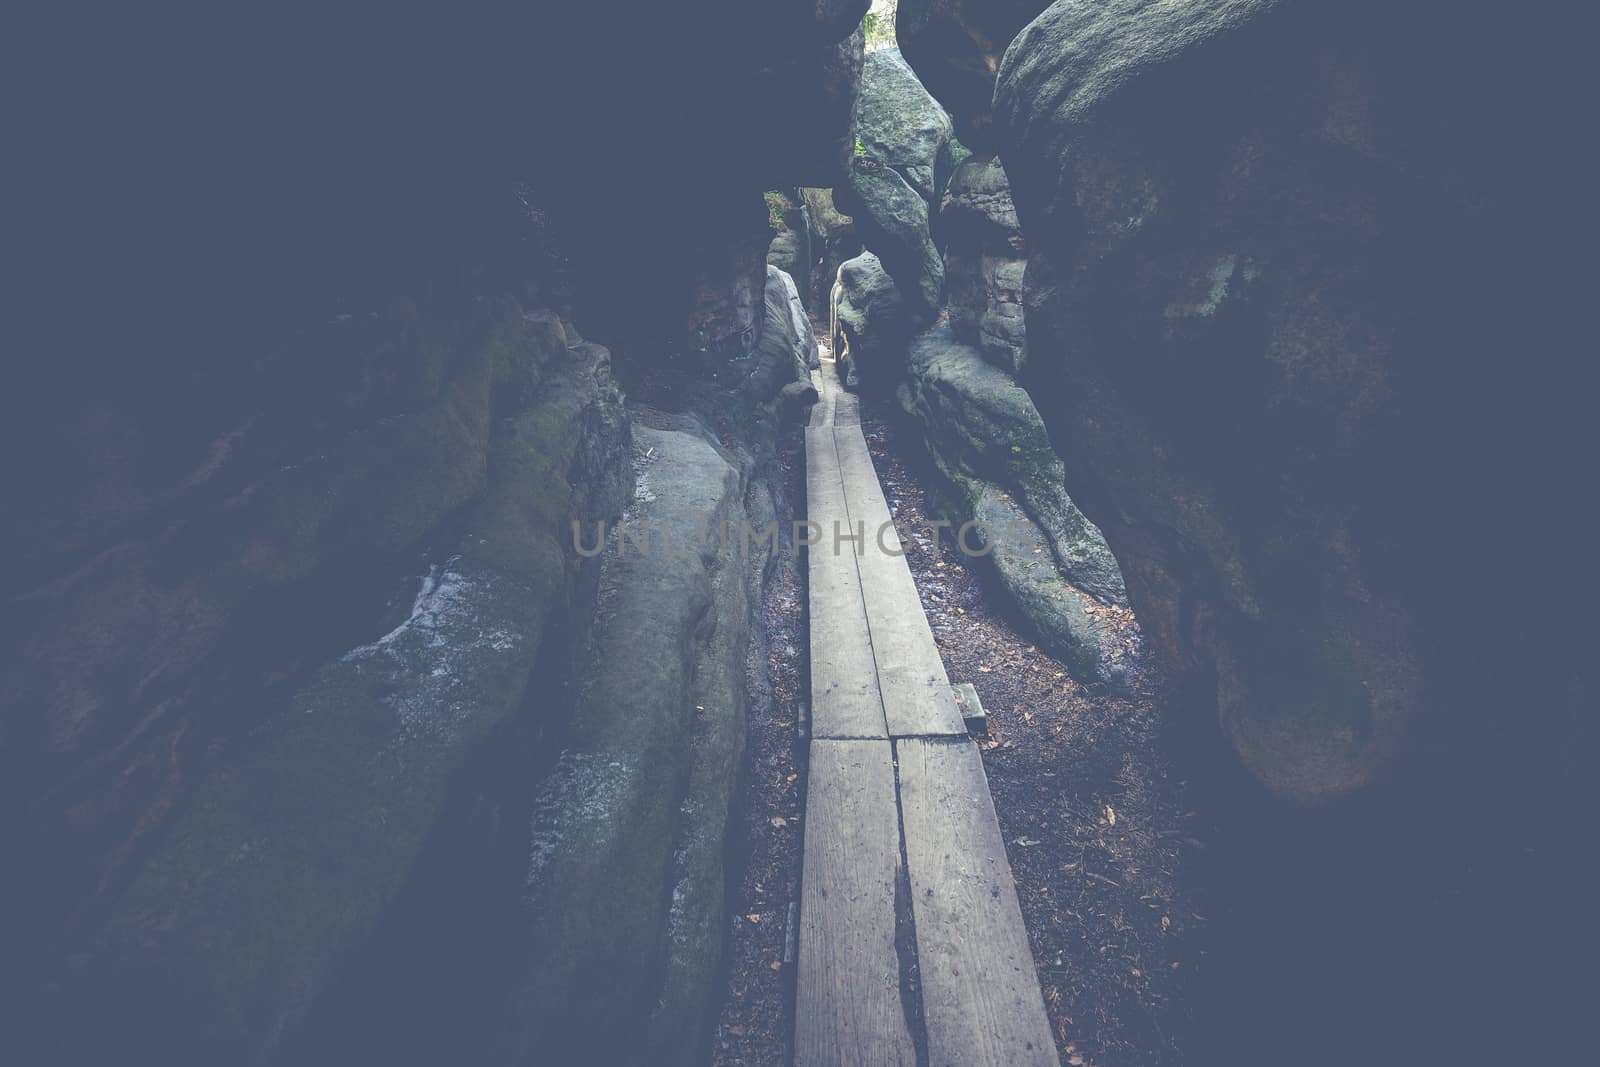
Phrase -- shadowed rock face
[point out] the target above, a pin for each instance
(393, 146)
(1302, 310)
(300, 408)
(835, 241)
(869, 322)
(955, 47)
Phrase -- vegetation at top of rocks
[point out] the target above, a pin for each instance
(777, 205)
(879, 24)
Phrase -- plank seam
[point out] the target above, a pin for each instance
(905, 931)
(855, 561)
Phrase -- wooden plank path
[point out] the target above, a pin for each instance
(905, 870)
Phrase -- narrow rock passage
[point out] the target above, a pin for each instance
(898, 809)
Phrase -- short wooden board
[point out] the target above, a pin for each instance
(980, 990)
(916, 691)
(844, 675)
(848, 1007)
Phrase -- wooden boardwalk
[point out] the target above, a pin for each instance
(905, 872)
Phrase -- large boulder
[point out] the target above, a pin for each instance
(995, 465)
(901, 164)
(320, 756)
(955, 47)
(899, 124)
(635, 814)
(868, 324)
(892, 220)
(1302, 312)
(786, 329)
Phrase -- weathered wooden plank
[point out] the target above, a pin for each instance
(980, 990)
(848, 1009)
(846, 406)
(822, 410)
(916, 692)
(844, 676)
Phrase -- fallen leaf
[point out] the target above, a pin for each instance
(752, 917)
(1111, 815)
(1026, 842)
(791, 778)
(776, 965)
(779, 821)
(1166, 924)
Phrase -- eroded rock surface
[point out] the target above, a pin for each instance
(869, 323)
(638, 802)
(901, 164)
(984, 259)
(994, 458)
(787, 323)
(253, 858)
(297, 626)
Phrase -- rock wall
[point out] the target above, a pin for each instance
(921, 198)
(636, 810)
(247, 720)
(1302, 314)
(897, 175)
(311, 705)
(987, 443)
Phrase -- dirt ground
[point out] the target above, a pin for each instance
(755, 1027)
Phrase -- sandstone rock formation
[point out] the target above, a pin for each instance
(301, 653)
(995, 463)
(638, 802)
(869, 324)
(787, 326)
(1300, 314)
(983, 261)
(902, 163)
